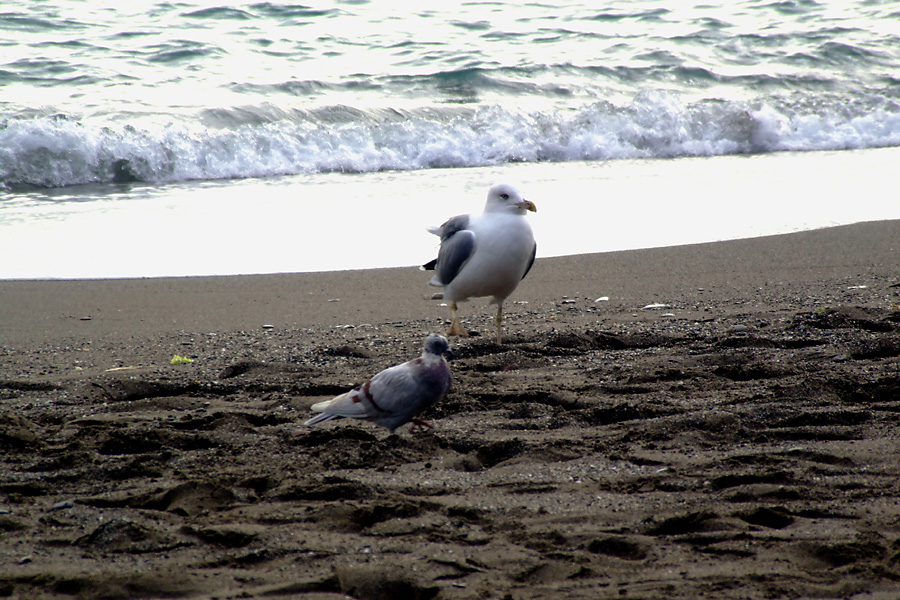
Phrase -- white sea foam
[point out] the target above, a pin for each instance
(56, 151)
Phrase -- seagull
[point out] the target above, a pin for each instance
(484, 255)
(396, 395)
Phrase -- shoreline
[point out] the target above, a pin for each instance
(36, 310)
(295, 226)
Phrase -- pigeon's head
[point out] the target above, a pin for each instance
(505, 198)
(437, 344)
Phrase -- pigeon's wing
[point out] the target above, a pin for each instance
(530, 261)
(385, 395)
(395, 395)
(395, 391)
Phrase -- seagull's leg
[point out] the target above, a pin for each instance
(499, 320)
(455, 327)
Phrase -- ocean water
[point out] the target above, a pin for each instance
(155, 138)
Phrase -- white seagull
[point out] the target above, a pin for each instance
(485, 255)
(396, 395)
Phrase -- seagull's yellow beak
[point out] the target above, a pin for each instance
(529, 205)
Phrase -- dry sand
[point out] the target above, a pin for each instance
(740, 440)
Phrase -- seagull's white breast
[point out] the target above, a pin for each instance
(503, 247)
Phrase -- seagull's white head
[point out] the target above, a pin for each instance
(505, 198)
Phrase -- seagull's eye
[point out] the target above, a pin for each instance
(504, 196)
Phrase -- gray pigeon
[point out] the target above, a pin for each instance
(485, 255)
(396, 395)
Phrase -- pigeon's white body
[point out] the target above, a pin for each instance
(396, 395)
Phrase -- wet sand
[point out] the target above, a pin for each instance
(706, 421)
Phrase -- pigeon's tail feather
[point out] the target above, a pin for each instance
(351, 404)
(324, 405)
(321, 418)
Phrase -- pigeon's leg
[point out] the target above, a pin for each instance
(455, 327)
(417, 422)
(498, 320)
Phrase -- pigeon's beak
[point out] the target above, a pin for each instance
(529, 205)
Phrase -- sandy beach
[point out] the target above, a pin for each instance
(706, 421)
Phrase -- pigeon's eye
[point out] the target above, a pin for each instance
(504, 196)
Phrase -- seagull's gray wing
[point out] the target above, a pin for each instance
(530, 261)
(457, 247)
(455, 252)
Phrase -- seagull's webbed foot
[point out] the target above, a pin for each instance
(455, 327)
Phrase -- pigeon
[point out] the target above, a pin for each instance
(396, 395)
(484, 255)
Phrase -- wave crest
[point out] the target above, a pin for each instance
(265, 141)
